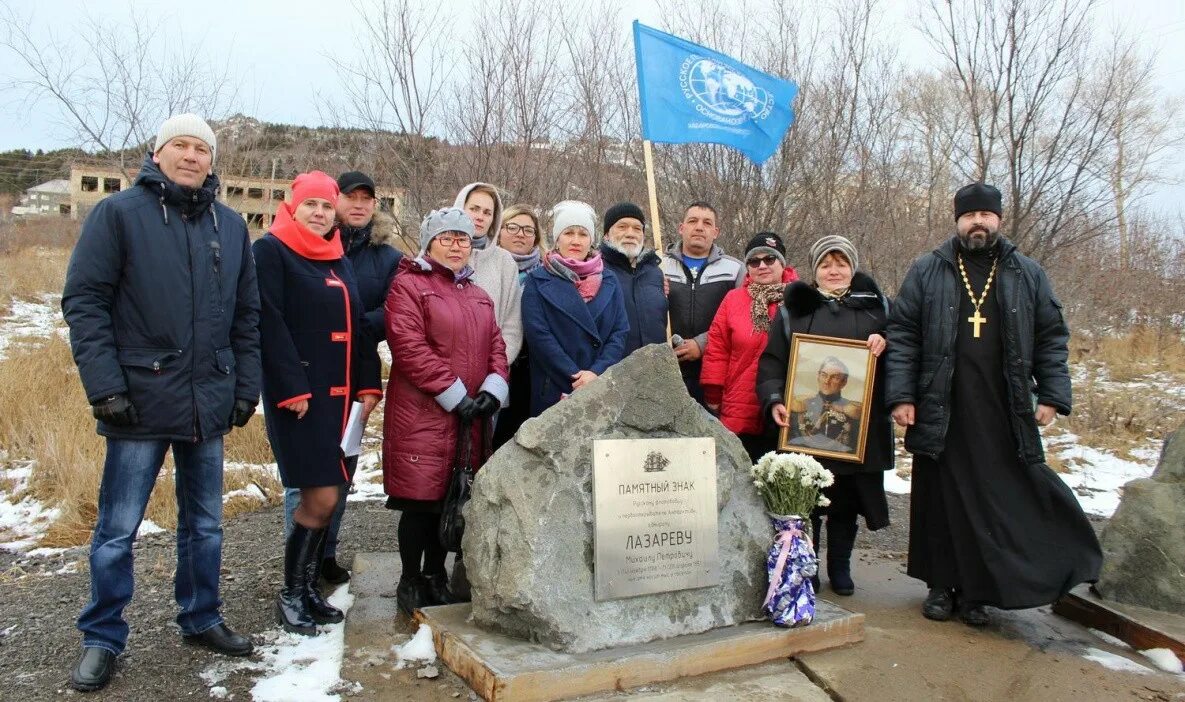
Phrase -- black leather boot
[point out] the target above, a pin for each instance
(321, 611)
(939, 604)
(292, 609)
(333, 573)
(841, 536)
(458, 584)
(411, 594)
(816, 528)
(436, 590)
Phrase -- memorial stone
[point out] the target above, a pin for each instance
(529, 543)
(1144, 543)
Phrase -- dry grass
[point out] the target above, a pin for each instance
(29, 273)
(1141, 351)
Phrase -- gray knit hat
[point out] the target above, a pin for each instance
(834, 242)
(189, 125)
(448, 219)
(573, 213)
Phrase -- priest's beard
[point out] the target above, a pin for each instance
(979, 238)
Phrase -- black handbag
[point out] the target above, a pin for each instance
(452, 522)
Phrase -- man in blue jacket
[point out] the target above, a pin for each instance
(163, 312)
(637, 269)
(366, 235)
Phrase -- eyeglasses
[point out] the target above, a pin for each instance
(768, 259)
(516, 229)
(447, 241)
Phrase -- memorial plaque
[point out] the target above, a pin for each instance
(655, 513)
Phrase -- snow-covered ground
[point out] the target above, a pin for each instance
(36, 319)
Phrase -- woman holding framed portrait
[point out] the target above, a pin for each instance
(819, 382)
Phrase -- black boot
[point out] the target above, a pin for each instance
(816, 527)
(321, 611)
(841, 536)
(459, 583)
(436, 589)
(939, 604)
(333, 573)
(292, 609)
(411, 593)
(93, 670)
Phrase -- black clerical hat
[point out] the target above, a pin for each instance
(978, 197)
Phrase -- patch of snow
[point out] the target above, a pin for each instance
(148, 527)
(305, 668)
(219, 692)
(1164, 659)
(251, 491)
(46, 552)
(22, 522)
(368, 479)
(1112, 661)
(1114, 641)
(35, 319)
(1096, 476)
(419, 648)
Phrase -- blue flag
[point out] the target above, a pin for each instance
(690, 94)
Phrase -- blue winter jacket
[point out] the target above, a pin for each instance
(567, 335)
(642, 290)
(162, 305)
(375, 262)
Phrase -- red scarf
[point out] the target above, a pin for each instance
(301, 240)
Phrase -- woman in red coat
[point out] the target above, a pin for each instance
(317, 359)
(735, 342)
(448, 370)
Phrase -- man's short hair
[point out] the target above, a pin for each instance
(703, 205)
(834, 361)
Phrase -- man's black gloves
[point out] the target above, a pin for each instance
(117, 410)
(242, 412)
(486, 404)
(466, 409)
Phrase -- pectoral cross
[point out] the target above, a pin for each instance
(976, 320)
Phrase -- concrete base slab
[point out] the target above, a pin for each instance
(498, 667)
(1139, 627)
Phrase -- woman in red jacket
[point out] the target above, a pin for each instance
(448, 370)
(736, 339)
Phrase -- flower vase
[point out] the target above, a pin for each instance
(791, 563)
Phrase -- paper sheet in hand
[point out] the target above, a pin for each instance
(352, 438)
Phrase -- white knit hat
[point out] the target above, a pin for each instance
(573, 213)
(189, 125)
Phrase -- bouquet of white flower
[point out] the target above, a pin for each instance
(791, 483)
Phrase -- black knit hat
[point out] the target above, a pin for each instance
(620, 211)
(766, 242)
(978, 197)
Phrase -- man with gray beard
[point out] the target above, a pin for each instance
(637, 269)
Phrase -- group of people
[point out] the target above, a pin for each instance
(178, 323)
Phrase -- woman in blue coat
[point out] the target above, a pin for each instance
(317, 359)
(574, 317)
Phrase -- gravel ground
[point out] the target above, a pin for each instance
(40, 599)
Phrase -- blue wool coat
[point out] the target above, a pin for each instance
(642, 290)
(162, 306)
(315, 347)
(568, 335)
(375, 262)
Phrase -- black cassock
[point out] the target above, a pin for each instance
(982, 521)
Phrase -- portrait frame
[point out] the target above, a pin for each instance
(811, 429)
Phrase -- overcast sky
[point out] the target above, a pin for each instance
(275, 52)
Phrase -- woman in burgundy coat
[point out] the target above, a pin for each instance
(316, 361)
(448, 369)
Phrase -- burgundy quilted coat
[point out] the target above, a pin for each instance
(439, 331)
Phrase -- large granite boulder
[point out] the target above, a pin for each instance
(1144, 544)
(529, 539)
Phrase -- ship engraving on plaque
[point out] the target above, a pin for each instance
(655, 516)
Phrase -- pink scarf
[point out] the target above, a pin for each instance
(585, 275)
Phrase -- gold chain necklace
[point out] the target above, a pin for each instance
(976, 319)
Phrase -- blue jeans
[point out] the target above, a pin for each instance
(292, 501)
(129, 474)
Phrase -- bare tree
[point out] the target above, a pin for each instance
(112, 84)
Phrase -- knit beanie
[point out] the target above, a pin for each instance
(828, 244)
(766, 243)
(189, 125)
(573, 213)
(448, 219)
(620, 211)
(314, 184)
(978, 197)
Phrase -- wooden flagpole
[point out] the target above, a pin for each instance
(656, 221)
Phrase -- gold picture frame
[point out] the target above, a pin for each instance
(825, 376)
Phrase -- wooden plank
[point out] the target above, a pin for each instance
(500, 668)
(1140, 633)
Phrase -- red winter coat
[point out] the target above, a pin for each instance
(729, 375)
(440, 332)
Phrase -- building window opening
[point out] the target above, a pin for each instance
(89, 184)
(234, 191)
(255, 193)
(279, 194)
(111, 185)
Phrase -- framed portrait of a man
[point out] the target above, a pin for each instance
(829, 396)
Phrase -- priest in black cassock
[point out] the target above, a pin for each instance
(976, 361)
